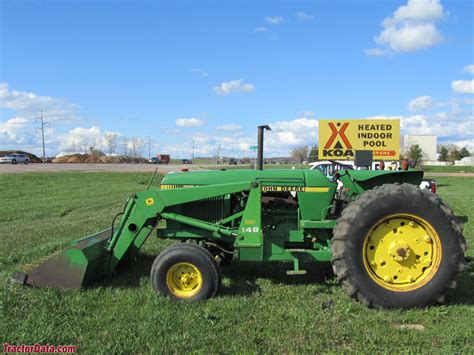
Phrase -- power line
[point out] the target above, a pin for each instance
(42, 132)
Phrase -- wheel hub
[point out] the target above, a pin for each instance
(184, 280)
(402, 252)
(399, 250)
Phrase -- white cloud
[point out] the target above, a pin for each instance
(469, 69)
(261, 29)
(29, 105)
(421, 103)
(81, 138)
(416, 10)
(233, 86)
(199, 71)
(304, 16)
(409, 37)
(463, 86)
(229, 127)
(274, 20)
(189, 122)
(411, 27)
(16, 130)
(289, 133)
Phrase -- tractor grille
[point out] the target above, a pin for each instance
(210, 210)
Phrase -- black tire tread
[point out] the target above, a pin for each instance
(215, 276)
(356, 210)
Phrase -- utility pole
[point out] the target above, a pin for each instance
(193, 152)
(42, 132)
(149, 147)
(218, 150)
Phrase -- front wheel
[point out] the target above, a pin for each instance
(398, 247)
(13, 161)
(185, 272)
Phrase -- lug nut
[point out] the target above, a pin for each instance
(401, 252)
(427, 239)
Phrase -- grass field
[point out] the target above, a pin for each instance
(448, 169)
(259, 308)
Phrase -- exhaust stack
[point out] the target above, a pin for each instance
(261, 130)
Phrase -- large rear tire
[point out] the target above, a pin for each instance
(187, 272)
(398, 247)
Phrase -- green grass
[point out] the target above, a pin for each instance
(448, 169)
(259, 308)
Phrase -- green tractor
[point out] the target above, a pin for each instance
(391, 244)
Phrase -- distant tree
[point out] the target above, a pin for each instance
(454, 154)
(111, 142)
(443, 153)
(415, 153)
(464, 153)
(313, 154)
(300, 153)
(125, 148)
(135, 146)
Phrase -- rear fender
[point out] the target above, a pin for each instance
(358, 181)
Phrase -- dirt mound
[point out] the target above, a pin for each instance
(33, 158)
(86, 159)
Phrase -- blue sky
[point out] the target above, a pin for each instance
(212, 71)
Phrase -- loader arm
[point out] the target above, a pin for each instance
(144, 210)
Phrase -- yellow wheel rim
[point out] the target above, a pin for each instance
(184, 280)
(402, 252)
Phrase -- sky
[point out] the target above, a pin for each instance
(176, 72)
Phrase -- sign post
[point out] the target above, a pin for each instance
(339, 139)
(254, 149)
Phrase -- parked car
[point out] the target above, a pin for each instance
(186, 161)
(155, 160)
(14, 159)
(232, 161)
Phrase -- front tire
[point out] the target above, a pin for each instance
(398, 247)
(13, 161)
(185, 272)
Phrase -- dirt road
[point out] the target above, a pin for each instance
(125, 168)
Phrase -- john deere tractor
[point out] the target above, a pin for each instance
(391, 244)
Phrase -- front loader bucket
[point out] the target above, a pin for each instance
(74, 267)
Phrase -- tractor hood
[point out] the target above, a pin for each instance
(210, 177)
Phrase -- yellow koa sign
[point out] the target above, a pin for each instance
(339, 139)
